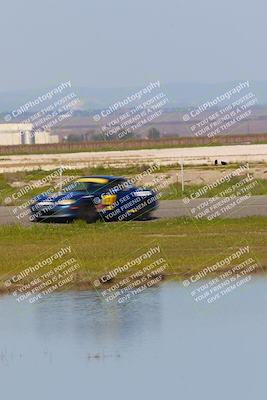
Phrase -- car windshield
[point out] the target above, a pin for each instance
(88, 187)
(92, 187)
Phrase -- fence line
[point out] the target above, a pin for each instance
(131, 144)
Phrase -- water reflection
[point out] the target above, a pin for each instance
(73, 345)
(89, 319)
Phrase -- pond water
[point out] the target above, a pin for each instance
(162, 345)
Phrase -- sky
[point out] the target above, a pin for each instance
(118, 43)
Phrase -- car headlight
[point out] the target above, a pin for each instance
(66, 202)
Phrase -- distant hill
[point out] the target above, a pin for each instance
(179, 94)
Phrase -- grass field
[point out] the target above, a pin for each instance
(100, 247)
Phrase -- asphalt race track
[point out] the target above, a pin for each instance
(253, 206)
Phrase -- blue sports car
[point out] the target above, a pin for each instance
(91, 198)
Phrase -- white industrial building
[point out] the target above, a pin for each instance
(15, 134)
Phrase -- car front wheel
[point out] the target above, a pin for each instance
(88, 213)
